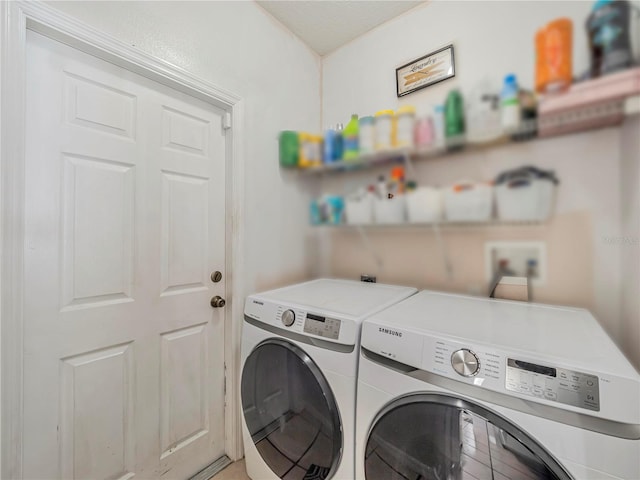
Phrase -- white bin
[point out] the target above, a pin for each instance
(424, 205)
(530, 199)
(359, 210)
(389, 210)
(468, 202)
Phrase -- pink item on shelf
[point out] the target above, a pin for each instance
(424, 133)
(591, 104)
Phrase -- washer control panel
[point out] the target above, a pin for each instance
(556, 384)
(322, 326)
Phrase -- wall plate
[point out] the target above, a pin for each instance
(518, 254)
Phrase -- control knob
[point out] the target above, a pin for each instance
(288, 317)
(465, 362)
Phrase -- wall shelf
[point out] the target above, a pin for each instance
(597, 103)
(443, 225)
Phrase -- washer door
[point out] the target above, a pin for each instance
(291, 412)
(441, 437)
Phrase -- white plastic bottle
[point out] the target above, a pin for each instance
(510, 105)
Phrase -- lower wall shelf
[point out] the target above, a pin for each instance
(444, 225)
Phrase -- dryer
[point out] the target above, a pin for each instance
(457, 387)
(300, 349)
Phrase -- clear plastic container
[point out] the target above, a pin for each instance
(359, 209)
(438, 125)
(483, 113)
(468, 202)
(389, 210)
(384, 126)
(367, 135)
(424, 205)
(405, 121)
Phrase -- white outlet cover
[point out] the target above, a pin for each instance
(517, 252)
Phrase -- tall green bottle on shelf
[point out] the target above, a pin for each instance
(351, 133)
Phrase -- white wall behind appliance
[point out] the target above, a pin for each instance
(239, 47)
(490, 39)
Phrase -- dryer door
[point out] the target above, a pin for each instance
(442, 437)
(291, 412)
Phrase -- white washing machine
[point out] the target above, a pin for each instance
(300, 349)
(455, 387)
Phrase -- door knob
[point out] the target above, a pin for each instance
(217, 302)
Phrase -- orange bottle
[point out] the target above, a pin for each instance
(553, 56)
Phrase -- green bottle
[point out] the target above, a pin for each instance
(350, 134)
(454, 119)
(289, 147)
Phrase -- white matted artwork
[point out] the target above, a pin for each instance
(520, 258)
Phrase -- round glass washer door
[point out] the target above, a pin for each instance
(291, 412)
(442, 437)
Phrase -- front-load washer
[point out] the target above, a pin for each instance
(455, 387)
(300, 349)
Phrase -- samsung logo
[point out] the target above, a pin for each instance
(259, 303)
(395, 333)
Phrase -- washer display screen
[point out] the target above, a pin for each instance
(322, 326)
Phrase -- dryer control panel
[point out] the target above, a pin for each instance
(556, 384)
(292, 318)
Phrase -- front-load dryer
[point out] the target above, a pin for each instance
(300, 349)
(455, 387)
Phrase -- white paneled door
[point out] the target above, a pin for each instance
(124, 207)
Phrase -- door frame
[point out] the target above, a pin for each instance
(15, 19)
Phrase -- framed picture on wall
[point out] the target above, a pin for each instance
(432, 68)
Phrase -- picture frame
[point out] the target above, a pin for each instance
(425, 71)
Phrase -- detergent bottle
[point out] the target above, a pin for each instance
(351, 132)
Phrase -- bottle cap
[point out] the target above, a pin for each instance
(339, 126)
(511, 78)
(406, 109)
(381, 113)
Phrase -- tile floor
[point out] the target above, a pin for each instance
(235, 471)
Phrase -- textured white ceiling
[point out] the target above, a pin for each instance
(327, 25)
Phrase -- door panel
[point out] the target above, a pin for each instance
(124, 357)
(84, 378)
(98, 220)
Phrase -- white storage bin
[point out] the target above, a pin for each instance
(468, 202)
(359, 210)
(424, 205)
(389, 210)
(530, 199)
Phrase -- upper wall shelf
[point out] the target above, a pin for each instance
(598, 103)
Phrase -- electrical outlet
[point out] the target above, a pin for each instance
(368, 278)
